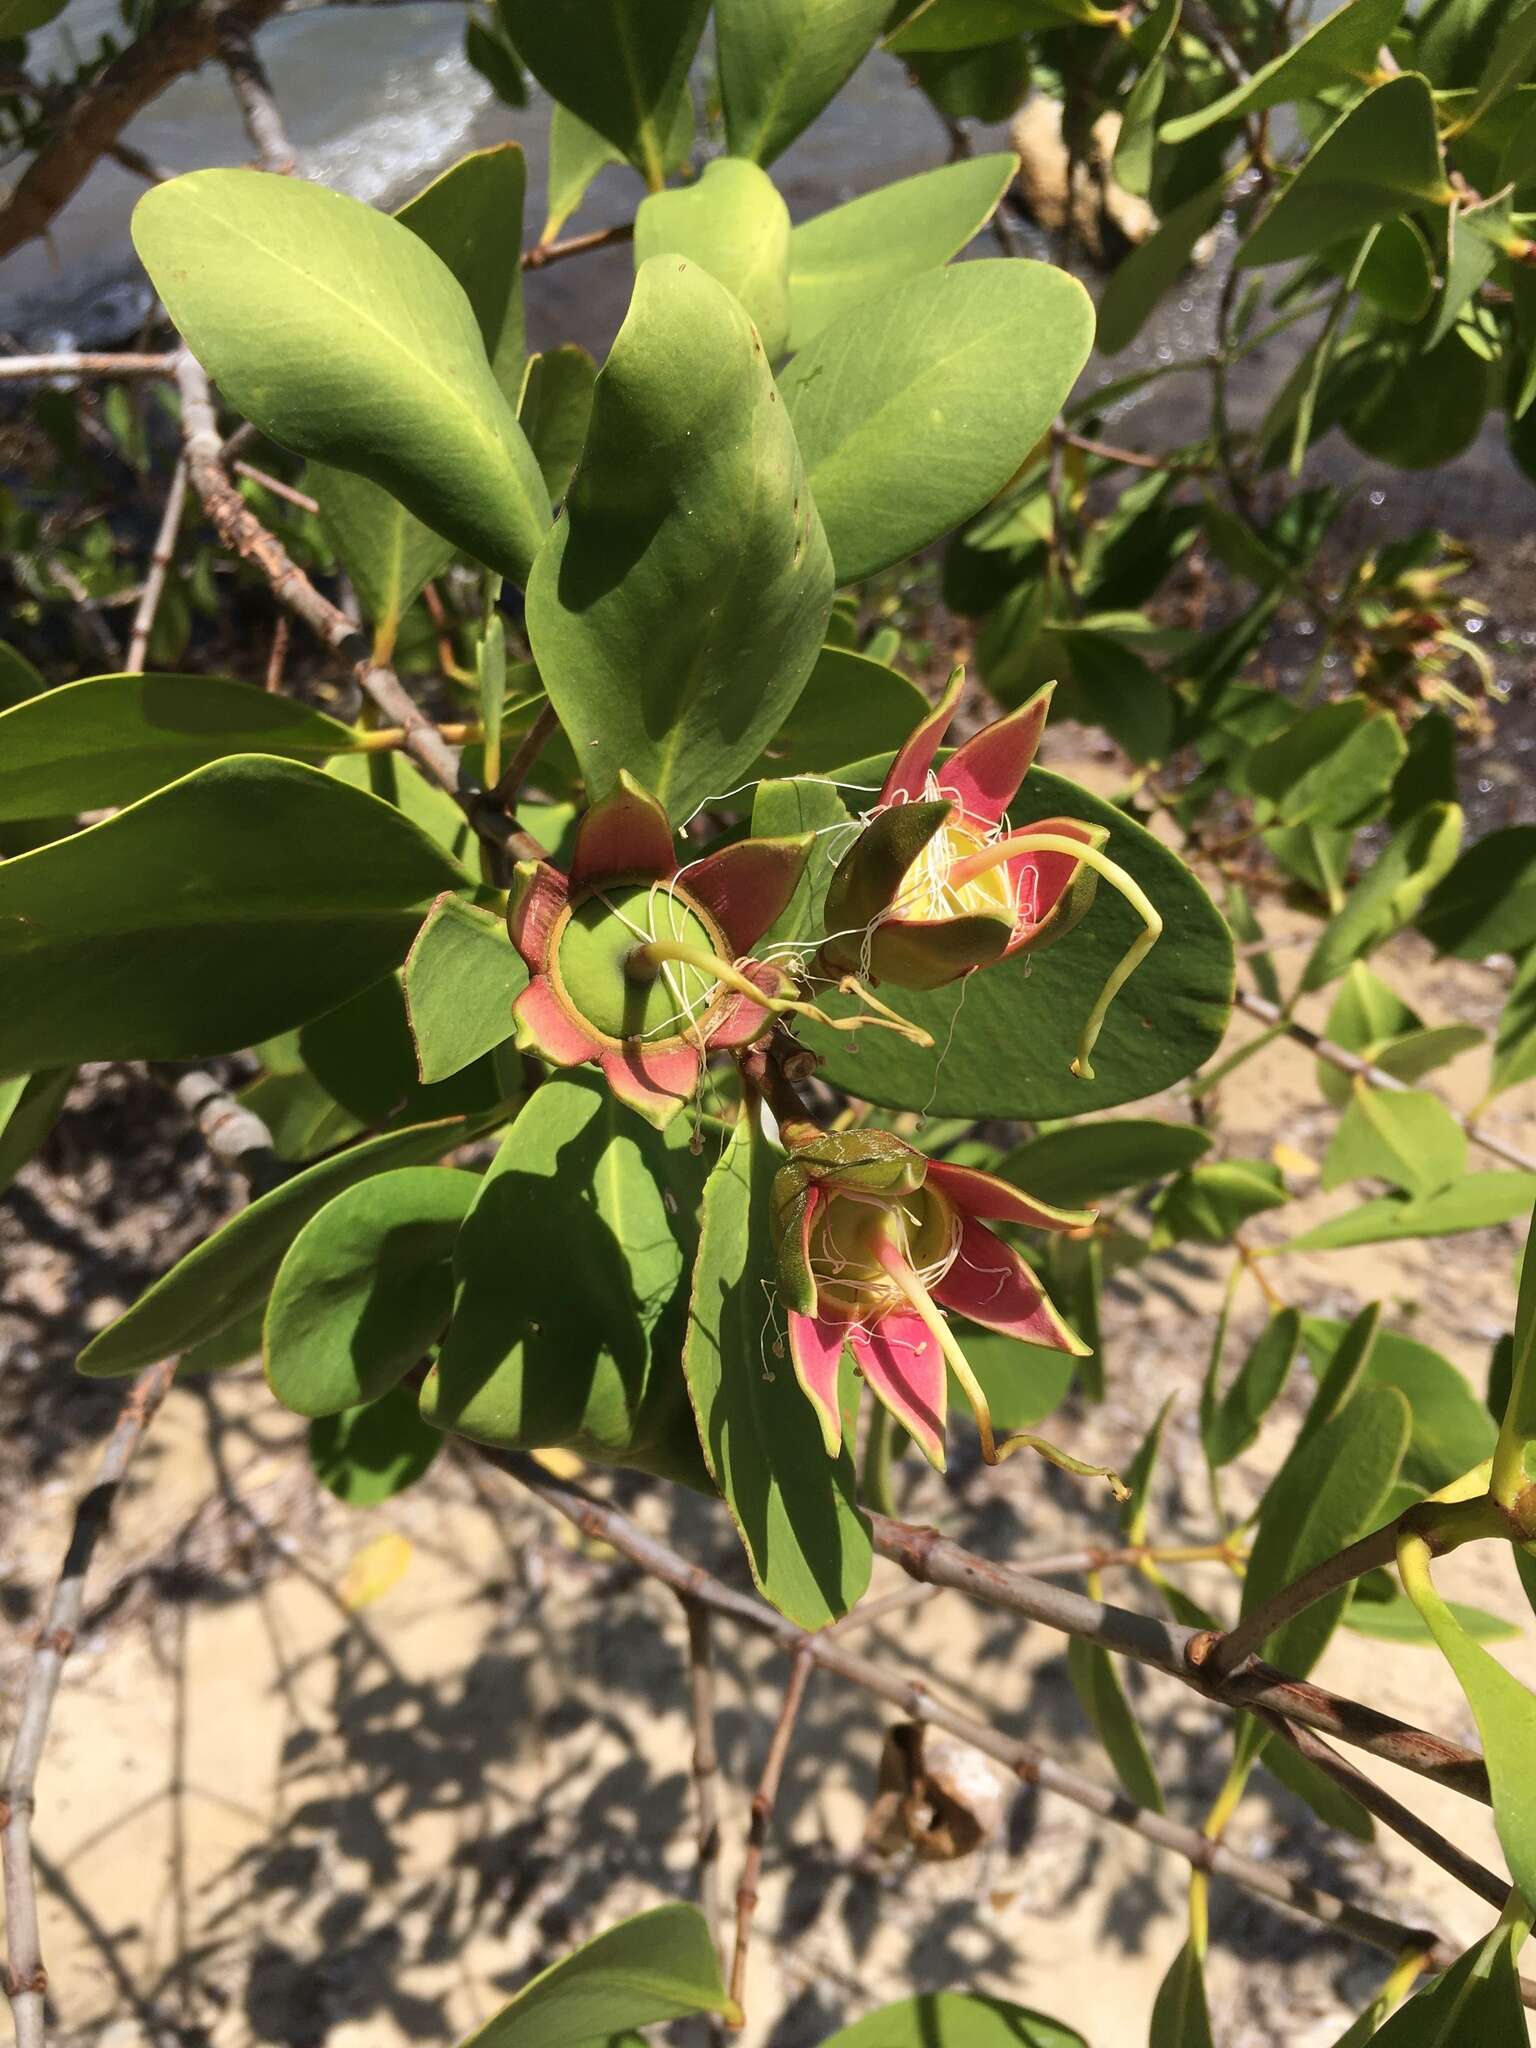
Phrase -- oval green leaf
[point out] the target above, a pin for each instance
(914, 410)
(340, 333)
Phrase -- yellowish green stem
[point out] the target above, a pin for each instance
(919, 1299)
(1002, 850)
(653, 954)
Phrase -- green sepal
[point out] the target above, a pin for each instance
(792, 1194)
(869, 1162)
(933, 955)
(871, 872)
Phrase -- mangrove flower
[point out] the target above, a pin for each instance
(642, 966)
(875, 1241)
(937, 884)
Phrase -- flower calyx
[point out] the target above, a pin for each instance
(875, 1241)
(938, 885)
(640, 965)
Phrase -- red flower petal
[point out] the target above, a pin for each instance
(909, 770)
(986, 771)
(740, 1020)
(984, 1195)
(654, 1081)
(993, 1286)
(816, 1347)
(626, 833)
(1040, 880)
(548, 1029)
(539, 894)
(902, 1361)
(744, 887)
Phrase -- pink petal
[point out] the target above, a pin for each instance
(901, 1359)
(626, 833)
(549, 1029)
(986, 771)
(1040, 880)
(739, 1020)
(909, 770)
(539, 894)
(656, 1082)
(816, 1347)
(744, 887)
(993, 1286)
(984, 1195)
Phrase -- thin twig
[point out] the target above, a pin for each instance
(37, 369)
(1351, 1063)
(706, 1762)
(159, 568)
(233, 1133)
(1392, 1813)
(763, 1801)
(528, 750)
(26, 1980)
(276, 486)
(93, 122)
(253, 89)
(577, 245)
(1181, 1653)
(239, 528)
(917, 1701)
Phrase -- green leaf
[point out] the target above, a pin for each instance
(1328, 1493)
(1334, 766)
(1451, 1428)
(29, 1108)
(369, 1454)
(620, 65)
(1340, 1370)
(735, 224)
(783, 810)
(656, 1966)
(1391, 1617)
(1411, 1141)
(782, 61)
(1505, 1712)
(1509, 61)
(555, 410)
(112, 739)
(1180, 2016)
(579, 1185)
(230, 1273)
(1514, 1052)
(1084, 1161)
(1023, 1383)
(364, 1289)
(1426, 405)
(1474, 1203)
(679, 606)
(1397, 275)
(1102, 1698)
(1391, 893)
(18, 678)
(1209, 1203)
(1341, 49)
(1229, 1426)
(20, 17)
(462, 976)
(238, 902)
(914, 410)
(793, 1506)
(953, 2019)
(576, 154)
(1476, 2001)
(1487, 903)
(388, 553)
(303, 1118)
(850, 708)
(1142, 278)
(1380, 159)
(1327, 1799)
(340, 333)
(865, 248)
(1015, 1026)
(1135, 145)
